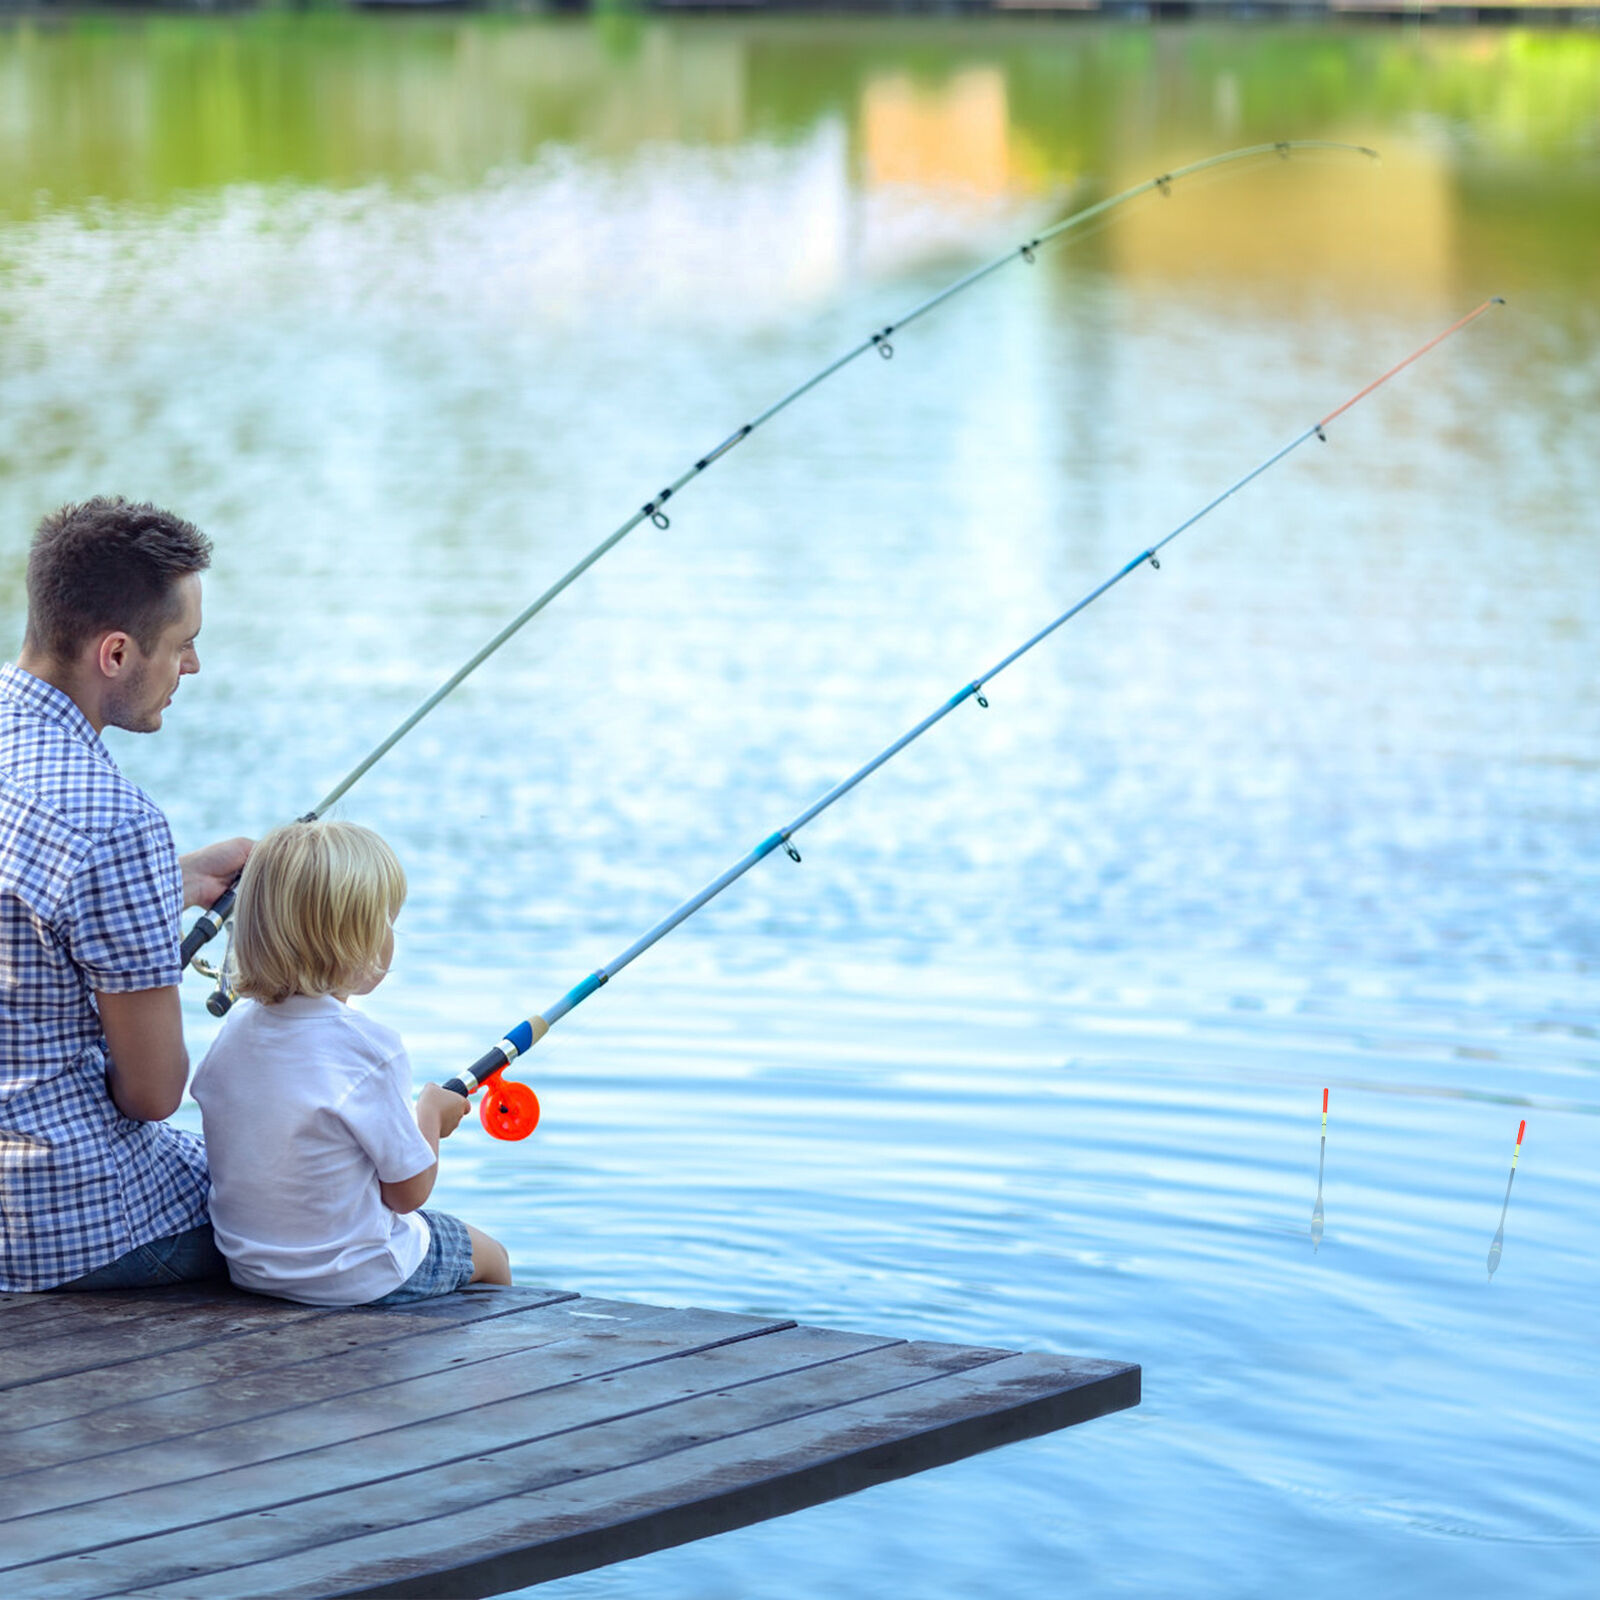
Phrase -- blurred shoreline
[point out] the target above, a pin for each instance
(1442, 13)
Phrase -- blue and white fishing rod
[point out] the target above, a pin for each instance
(511, 1110)
(210, 922)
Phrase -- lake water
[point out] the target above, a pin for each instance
(1030, 1050)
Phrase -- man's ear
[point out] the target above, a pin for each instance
(114, 654)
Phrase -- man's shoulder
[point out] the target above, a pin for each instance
(65, 783)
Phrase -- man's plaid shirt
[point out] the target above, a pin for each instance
(90, 899)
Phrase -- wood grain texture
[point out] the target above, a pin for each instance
(284, 1341)
(213, 1444)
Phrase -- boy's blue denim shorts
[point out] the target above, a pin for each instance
(446, 1267)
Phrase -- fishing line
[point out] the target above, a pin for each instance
(210, 921)
(511, 1110)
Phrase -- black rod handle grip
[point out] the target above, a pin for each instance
(490, 1061)
(209, 924)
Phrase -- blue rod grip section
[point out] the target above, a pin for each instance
(522, 1036)
(956, 699)
(768, 845)
(582, 992)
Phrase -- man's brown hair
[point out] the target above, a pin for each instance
(107, 566)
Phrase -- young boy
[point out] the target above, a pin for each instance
(318, 1169)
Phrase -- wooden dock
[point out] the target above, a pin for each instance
(205, 1444)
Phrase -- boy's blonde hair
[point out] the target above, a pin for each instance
(316, 904)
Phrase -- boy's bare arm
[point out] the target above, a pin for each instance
(439, 1114)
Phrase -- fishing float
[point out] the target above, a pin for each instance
(1316, 1213)
(511, 1109)
(1500, 1232)
(212, 920)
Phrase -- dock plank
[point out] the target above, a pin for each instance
(221, 1366)
(343, 1367)
(68, 1335)
(561, 1434)
(80, 1337)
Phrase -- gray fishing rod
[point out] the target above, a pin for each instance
(511, 1110)
(210, 922)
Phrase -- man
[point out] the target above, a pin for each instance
(95, 1190)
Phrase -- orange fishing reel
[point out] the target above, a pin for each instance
(508, 1110)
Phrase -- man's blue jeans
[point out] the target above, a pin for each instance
(190, 1257)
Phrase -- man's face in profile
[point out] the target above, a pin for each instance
(147, 685)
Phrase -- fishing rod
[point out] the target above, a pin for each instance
(511, 1110)
(210, 922)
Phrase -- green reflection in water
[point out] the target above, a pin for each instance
(145, 108)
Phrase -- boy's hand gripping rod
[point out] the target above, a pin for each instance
(511, 1110)
(210, 923)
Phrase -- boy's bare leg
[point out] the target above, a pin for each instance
(490, 1263)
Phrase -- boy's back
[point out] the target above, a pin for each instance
(306, 1106)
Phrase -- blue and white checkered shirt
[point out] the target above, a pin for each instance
(90, 899)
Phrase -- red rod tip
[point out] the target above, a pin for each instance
(1324, 1099)
(1522, 1128)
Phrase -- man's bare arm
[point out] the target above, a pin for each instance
(149, 1064)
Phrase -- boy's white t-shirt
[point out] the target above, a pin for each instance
(306, 1106)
